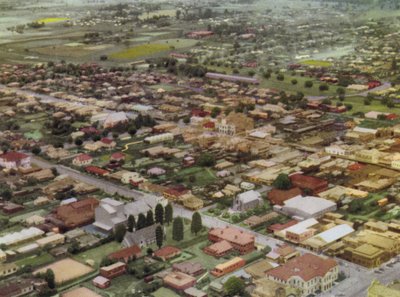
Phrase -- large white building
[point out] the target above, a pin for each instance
(159, 138)
(306, 207)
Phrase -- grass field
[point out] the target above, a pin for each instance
(359, 106)
(164, 292)
(164, 12)
(97, 254)
(52, 20)
(141, 51)
(35, 260)
(317, 63)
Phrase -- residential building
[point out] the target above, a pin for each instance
(17, 288)
(114, 119)
(241, 241)
(247, 200)
(193, 292)
(258, 269)
(126, 254)
(283, 253)
(113, 270)
(8, 269)
(179, 281)
(82, 160)
(167, 252)
(299, 231)
(227, 267)
(309, 273)
(14, 160)
(190, 268)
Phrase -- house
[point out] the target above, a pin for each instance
(219, 249)
(141, 237)
(113, 270)
(18, 288)
(179, 281)
(190, 268)
(166, 253)
(14, 160)
(306, 207)
(8, 269)
(127, 254)
(227, 267)
(51, 240)
(114, 119)
(117, 157)
(82, 160)
(309, 273)
(96, 171)
(247, 200)
(101, 282)
(241, 241)
(107, 143)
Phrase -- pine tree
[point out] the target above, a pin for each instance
(177, 229)
(131, 223)
(159, 236)
(197, 224)
(119, 233)
(169, 213)
(159, 214)
(50, 278)
(141, 223)
(150, 218)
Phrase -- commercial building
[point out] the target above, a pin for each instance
(308, 273)
(113, 270)
(227, 267)
(324, 239)
(299, 231)
(309, 183)
(21, 236)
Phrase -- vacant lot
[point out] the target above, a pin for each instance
(66, 270)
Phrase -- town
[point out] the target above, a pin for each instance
(209, 148)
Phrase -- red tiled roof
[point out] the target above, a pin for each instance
(117, 156)
(83, 157)
(13, 156)
(96, 170)
(277, 196)
(309, 182)
(166, 251)
(231, 234)
(106, 140)
(126, 253)
(307, 267)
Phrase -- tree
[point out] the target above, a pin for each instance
(36, 150)
(197, 223)
(280, 77)
(177, 229)
(178, 14)
(159, 214)
(168, 213)
(50, 278)
(282, 182)
(119, 233)
(234, 286)
(74, 247)
(206, 160)
(215, 112)
(323, 87)
(131, 223)
(341, 91)
(308, 84)
(294, 81)
(149, 218)
(159, 236)
(141, 223)
(78, 142)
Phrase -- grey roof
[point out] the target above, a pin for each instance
(143, 235)
(249, 196)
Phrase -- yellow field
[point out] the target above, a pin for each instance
(166, 12)
(317, 63)
(52, 20)
(140, 51)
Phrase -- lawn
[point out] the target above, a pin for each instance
(203, 176)
(35, 260)
(359, 106)
(52, 20)
(317, 63)
(98, 253)
(164, 292)
(141, 51)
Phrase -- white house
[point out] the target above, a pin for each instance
(247, 200)
(13, 160)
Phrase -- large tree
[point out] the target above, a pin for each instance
(282, 182)
(141, 223)
(197, 224)
(177, 229)
(131, 223)
(169, 213)
(159, 236)
(119, 233)
(50, 278)
(234, 286)
(159, 214)
(149, 218)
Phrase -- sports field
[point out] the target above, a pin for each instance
(52, 20)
